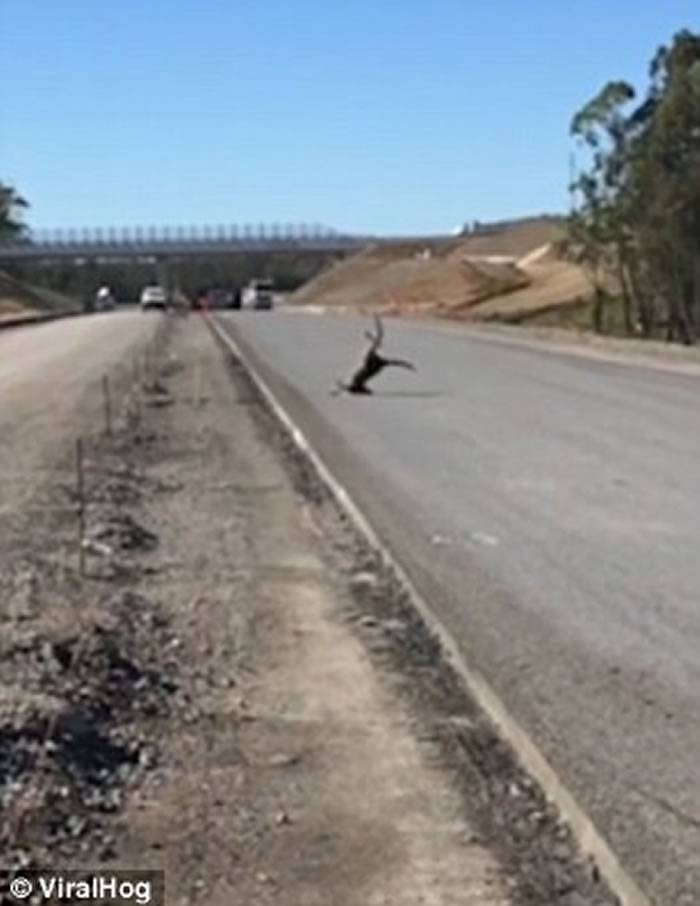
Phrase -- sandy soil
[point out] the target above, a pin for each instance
(507, 276)
(552, 283)
(10, 308)
(405, 279)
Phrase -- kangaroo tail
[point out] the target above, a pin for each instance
(401, 363)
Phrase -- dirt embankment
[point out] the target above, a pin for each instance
(18, 298)
(508, 274)
(552, 283)
(235, 690)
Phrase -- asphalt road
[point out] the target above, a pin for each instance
(50, 387)
(547, 506)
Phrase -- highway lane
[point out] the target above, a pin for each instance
(67, 348)
(50, 388)
(547, 506)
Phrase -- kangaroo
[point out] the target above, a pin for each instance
(372, 364)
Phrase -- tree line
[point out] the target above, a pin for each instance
(635, 223)
(12, 206)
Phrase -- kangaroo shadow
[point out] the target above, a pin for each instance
(408, 394)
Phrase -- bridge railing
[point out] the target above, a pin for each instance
(130, 237)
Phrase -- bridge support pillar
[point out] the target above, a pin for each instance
(88, 283)
(163, 272)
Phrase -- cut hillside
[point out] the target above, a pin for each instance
(18, 298)
(552, 283)
(9, 308)
(516, 239)
(503, 273)
(413, 278)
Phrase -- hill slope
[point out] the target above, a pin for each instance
(17, 297)
(503, 274)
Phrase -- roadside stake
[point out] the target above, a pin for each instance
(106, 395)
(197, 396)
(589, 838)
(79, 462)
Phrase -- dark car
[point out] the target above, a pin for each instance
(219, 298)
(210, 299)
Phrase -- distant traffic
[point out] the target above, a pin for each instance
(257, 295)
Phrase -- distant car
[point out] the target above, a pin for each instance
(207, 299)
(258, 295)
(104, 299)
(218, 298)
(153, 297)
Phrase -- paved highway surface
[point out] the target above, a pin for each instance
(48, 372)
(549, 508)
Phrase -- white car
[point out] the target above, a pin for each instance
(104, 299)
(153, 297)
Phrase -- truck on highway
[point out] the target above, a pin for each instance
(258, 294)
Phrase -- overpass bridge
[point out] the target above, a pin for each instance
(164, 243)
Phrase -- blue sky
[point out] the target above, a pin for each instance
(368, 115)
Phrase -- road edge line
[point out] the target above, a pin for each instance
(588, 837)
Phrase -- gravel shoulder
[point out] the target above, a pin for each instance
(651, 354)
(235, 690)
